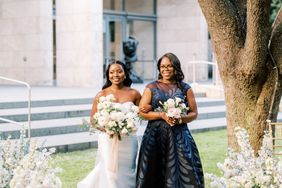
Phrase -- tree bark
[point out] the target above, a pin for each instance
(249, 57)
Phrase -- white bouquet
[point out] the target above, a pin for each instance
(173, 107)
(115, 118)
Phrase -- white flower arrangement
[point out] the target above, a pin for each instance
(115, 118)
(243, 169)
(22, 164)
(34, 170)
(173, 107)
(11, 153)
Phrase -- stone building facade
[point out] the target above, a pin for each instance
(68, 43)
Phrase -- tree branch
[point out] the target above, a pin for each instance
(224, 25)
(276, 40)
(258, 28)
(278, 19)
(241, 6)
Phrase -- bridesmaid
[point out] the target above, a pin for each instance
(168, 155)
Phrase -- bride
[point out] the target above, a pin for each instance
(124, 176)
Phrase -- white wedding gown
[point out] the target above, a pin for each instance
(124, 177)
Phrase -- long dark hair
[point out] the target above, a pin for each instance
(126, 82)
(178, 75)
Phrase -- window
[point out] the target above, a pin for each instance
(140, 6)
(114, 5)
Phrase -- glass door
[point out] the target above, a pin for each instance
(120, 27)
(114, 33)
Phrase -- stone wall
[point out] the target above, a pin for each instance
(26, 41)
(182, 30)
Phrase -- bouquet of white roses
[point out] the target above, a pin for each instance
(173, 107)
(115, 118)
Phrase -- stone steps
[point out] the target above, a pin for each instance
(72, 111)
(82, 108)
(42, 103)
(48, 112)
(58, 113)
(59, 122)
(55, 109)
(47, 127)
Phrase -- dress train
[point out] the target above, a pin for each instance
(102, 176)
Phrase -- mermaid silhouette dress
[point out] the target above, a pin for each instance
(168, 156)
(102, 176)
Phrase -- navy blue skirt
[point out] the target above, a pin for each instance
(168, 158)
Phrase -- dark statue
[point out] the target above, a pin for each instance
(130, 56)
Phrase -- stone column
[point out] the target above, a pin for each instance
(182, 30)
(79, 43)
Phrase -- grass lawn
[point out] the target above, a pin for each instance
(212, 146)
(76, 165)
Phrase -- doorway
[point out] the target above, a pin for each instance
(114, 33)
(117, 28)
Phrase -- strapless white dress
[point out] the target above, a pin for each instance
(125, 175)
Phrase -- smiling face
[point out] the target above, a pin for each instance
(116, 74)
(166, 69)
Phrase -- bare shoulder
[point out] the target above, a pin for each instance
(100, 94)
(133, 91)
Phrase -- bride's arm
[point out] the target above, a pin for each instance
(94, 108)
(137, 97)
(145, 102)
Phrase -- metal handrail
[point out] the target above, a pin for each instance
(194, 62)
(28, 104)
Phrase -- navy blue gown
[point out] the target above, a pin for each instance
(168, 156)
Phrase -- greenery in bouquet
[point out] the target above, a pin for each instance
(242, 169)
(115, 118)
(173, 107)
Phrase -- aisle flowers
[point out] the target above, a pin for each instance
(244, 169)
(22, 164)
(115, 118)
(173, 107)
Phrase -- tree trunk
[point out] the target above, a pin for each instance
(249, 57)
